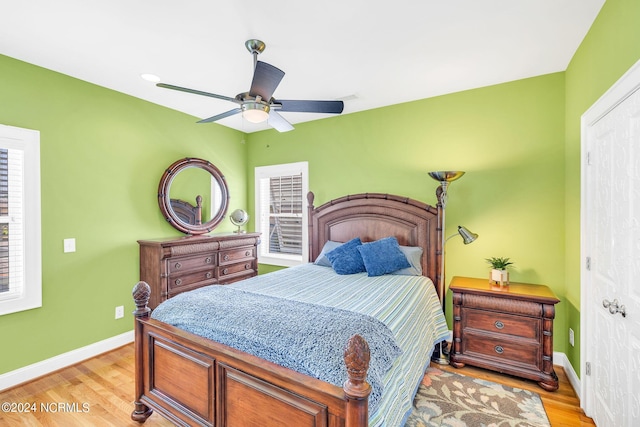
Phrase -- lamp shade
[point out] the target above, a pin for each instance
(467, 236)
(446, 176)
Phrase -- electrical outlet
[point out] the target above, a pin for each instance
(571, 337)
(119, 312)
(69, 245)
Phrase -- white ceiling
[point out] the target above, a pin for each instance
(370, 53)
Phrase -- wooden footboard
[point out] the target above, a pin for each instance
(195, 381)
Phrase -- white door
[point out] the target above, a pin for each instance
(610, 308)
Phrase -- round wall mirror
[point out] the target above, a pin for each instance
(193, 196)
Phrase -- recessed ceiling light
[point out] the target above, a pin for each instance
(150, 78)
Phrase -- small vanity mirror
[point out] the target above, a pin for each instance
(193, 196)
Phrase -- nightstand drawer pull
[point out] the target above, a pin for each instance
(499, 324)
(178, 266)
(499, 349)
(207, 260)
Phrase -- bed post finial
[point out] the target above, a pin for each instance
(141, 293)
(356, 388)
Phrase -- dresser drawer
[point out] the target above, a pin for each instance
(235, 269)
(179, 282)
(179, 265)
(502, 350)
(234, 255)
(491, 321)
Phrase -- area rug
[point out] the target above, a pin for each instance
(454, 400)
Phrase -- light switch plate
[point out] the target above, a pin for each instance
(69, 245)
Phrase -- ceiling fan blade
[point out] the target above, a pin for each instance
(331, 107)
(221, 116)
(197, 92)
(266, 79)
(278, 122)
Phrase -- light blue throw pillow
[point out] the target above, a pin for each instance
(322, 257)
(414, 256)
(345, 259)
(383, 256)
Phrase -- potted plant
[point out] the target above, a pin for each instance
(499, 273)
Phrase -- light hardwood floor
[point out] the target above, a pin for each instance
(99, 392)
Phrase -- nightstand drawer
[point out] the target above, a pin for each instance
(178, 265)
(526, 354)
(491, 321)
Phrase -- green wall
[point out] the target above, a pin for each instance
(102, 156)
(509, 139)
(610, 48)
(103, 153)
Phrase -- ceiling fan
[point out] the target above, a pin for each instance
(258, 104)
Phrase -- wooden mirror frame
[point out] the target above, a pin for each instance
(164, 199)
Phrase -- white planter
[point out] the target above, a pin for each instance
(500, 277)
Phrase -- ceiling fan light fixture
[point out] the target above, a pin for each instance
(255, 112)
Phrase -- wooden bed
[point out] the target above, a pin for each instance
(195, 381)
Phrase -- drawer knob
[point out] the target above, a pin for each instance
(178, 266)
(226, 257)
(499, 324)
(247, 266)
(178, 282)
(207, 260)
(208, 275)
(499, 349)
(247, 253)
(225, 271)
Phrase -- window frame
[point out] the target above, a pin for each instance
(271, 171)
(28, 141)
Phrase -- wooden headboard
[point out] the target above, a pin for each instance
(372, 216)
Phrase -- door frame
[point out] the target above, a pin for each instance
(628, 84)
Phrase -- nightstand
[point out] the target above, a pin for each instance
(509, 330)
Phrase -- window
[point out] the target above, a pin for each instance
(20, 257)
(281, 214)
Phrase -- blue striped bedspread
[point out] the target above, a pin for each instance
(407, 305)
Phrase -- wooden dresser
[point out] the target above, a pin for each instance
(171, 266)
(509, 330)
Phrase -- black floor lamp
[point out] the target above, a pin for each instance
(445, 178)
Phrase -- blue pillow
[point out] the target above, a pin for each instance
(345, 259)
(383, 256)
(414, 256)
(322, 257)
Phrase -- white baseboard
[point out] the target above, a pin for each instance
(562, 360)
(31, 372)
